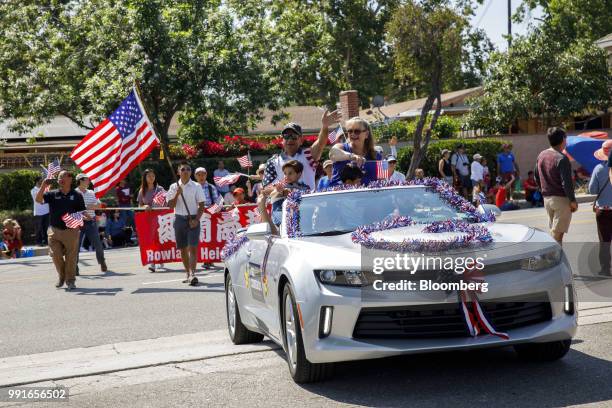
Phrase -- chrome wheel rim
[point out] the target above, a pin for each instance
(290, 332)
(231, 309)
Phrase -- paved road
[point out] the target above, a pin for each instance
(483, 378)
(129, 304)
(126, 303)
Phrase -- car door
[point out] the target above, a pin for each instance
(257, 283)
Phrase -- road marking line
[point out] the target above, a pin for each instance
(179, 280)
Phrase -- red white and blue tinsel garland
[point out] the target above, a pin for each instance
(233, 244)
(473, 235)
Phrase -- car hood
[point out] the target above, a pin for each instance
(504, 236)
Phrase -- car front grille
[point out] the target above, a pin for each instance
(446, 320)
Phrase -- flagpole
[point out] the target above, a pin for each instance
(161, 142)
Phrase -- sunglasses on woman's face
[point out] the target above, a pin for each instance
(357, 132)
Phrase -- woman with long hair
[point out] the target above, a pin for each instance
(359, 149)
(148, 189)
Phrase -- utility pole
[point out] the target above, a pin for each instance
(509, 23)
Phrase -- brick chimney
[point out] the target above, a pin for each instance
(349, 103)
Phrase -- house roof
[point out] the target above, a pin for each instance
(449, 99)
(309, 117)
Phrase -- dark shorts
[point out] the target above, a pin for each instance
(466, 181)
(506, 177)
(184, 235)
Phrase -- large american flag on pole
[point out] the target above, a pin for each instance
(110, 151)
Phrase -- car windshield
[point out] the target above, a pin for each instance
(332, 214)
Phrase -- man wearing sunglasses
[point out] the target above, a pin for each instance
(293, 150)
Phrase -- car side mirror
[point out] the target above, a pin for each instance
(258, 231)
(489, 209)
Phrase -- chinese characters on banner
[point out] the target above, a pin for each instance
(156, 233)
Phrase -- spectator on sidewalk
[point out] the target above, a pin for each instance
(90, 226)
(460, 166)
(553, 173)
(419, 174)
(477, 171)
(124, 200)
(395, 175)
(11, 235)
(500, 192)
(533, 195)
(221, 171)
(118, 233)
(41, 215)
(445, 170)
(63, 241)
(255, 189)
(324, 182)
(187, 199)
(600, 185)
(486, 179)
(211, 196)
(507, 166)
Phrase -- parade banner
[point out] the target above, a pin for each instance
(156, 233)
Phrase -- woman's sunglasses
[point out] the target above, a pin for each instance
(357, 132)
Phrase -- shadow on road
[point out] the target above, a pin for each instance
(201, 287)
(487, 377)
(97, 291)
(106, 274)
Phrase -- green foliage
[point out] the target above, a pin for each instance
(15, 189)
(80, 59)
(538, 76)
(487, 147)
(25, 218)
(445, 128)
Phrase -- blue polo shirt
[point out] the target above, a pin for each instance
(506, 162)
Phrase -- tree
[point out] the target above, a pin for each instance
(429, 40)
(80, 58)
(541, 77)
(569, 20)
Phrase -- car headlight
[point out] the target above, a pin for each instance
(341, 278)
(542, 261)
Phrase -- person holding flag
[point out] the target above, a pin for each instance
(151, 194)
(90, 227)
(63, 240)
(212, 199)
(187, 199)
(293, 150)
(360, 150)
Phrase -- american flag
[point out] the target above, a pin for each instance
(245, 161)
(159, 199)
(110, 151)
(282, 183)
(226, 180)
(74, 220)
(52, 169)
(382, 169)
(333, 136)
(215, 208)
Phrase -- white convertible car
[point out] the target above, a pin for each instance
(310, 288)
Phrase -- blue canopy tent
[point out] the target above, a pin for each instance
(581, 149)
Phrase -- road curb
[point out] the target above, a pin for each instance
(82, 362)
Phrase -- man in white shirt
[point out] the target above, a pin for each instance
(90, 226)
(187, 199)
(477, 170)
(41, 215)
(221, 171)
(395, 175)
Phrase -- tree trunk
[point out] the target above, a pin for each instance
(417, 154)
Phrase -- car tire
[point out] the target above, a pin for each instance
(238, 333)
(543, 351)
(302, 370)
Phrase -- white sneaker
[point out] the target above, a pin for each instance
(81, 249)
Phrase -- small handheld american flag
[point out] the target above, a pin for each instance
(215, 208)
(52, 169)
(226, 180)
(333, 136)
(382, 169)
(74, 220)
(282, 183)
(159, 199)
(245, 161)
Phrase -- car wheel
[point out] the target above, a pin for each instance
(302, 370)
(543, 351)
(239, 334)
